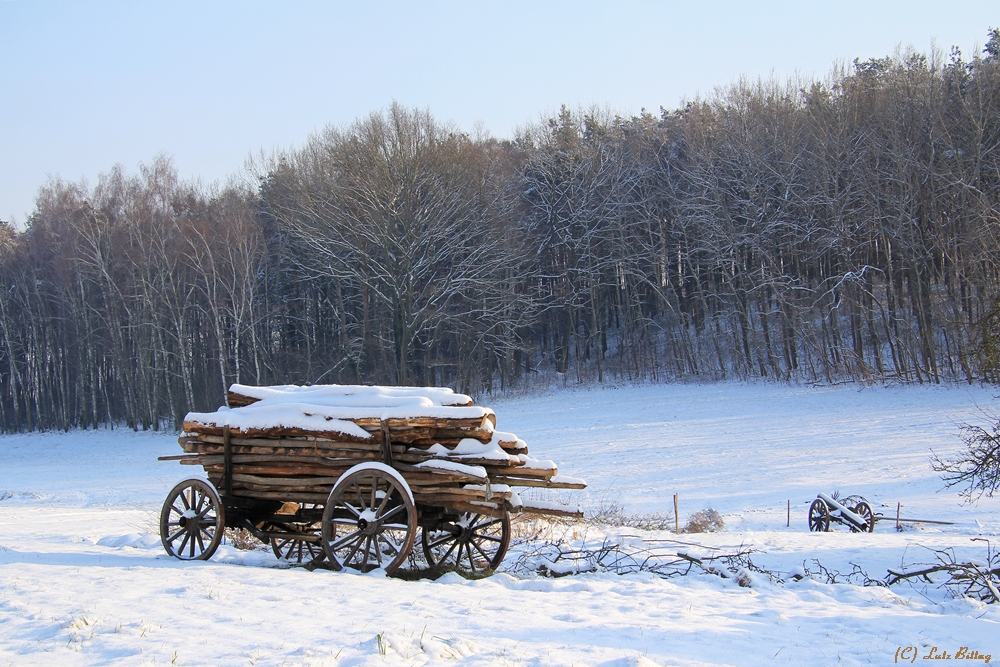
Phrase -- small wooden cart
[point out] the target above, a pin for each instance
(346, 476)
(852, 511)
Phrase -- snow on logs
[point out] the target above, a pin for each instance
(292, 443)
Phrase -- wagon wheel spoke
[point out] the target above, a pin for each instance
(357, 546)
(360, 550)
(187, 538)
(454, 543)
(480, 550)
(486, 523)
(381, 506)
(392, 545)
(440, 541)
(344, 541)
(393, 512)
(394, 526)
(472, 559)
(378, 552)
(367, 553)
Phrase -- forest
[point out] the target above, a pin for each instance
(804, 231)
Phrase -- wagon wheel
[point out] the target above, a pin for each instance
(819, 516)
(294, 550)
(864, 510)
(370, 520)
(192, 521)
(475, 543)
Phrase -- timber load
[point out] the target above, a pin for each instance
(291, 444)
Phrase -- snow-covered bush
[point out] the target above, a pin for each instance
(704, 521)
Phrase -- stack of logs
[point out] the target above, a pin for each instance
(459, 463)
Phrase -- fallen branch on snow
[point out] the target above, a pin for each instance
(558, 559)
(966, 579)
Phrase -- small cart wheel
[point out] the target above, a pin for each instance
(192, 520)
(370, 520)
(819, 516)
(864, 510)
(295, 550)
(476, 543)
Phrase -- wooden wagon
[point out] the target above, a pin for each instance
(852, 511)
(348, 475)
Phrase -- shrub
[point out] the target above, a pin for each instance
(976, 470)
(704, 521)
(244, 540)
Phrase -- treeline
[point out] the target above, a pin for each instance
(841, 230)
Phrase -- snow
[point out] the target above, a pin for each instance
(83, 580)
(475, 471)
(326, 407)
(474, 450)
(470, 446)
(355, 395)
(545, 504)
(839, 510)
(567, 479)
(282, 415)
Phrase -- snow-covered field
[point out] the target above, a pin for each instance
(83, 579)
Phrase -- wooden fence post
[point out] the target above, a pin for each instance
(677, 521)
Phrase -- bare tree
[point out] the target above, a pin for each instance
(976, 470)
(409, 215)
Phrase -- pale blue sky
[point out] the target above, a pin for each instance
(85, 85)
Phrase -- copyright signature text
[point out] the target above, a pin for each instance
(912, 654)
